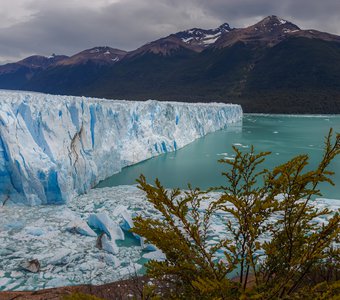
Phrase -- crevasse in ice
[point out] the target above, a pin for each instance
(55, 147)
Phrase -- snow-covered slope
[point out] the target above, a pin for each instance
(53, 147)
(203, 37)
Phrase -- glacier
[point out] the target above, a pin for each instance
(53, 148)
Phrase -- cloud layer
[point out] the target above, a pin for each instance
(68, 26)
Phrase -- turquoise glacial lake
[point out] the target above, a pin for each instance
(284, 135)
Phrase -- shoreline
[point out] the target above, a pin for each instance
(121, 289)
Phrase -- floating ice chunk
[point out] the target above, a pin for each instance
(110, 260)
(128, 222)
(226, 156)
(155, 255)
(240, 145)
(62, 257)
(333, 203)
(15, 274)
(80, 226)
(57, 282)
(4, 281)
(222, 154)
(84, 267)
(130, 270)
(229, 158)
(107, 245)
(119, 209)
(147, 247)
(14, 225)
(32, 266)
(35, 231)
(12, 285)
(103, 222)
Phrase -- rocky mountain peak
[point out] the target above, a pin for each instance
(100, 55)
(274, 24)
(202, 37)
(225, 27)
(38, 61)
(269, 31)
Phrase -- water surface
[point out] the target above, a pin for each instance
(285, 136)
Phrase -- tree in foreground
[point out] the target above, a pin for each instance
(274, 246)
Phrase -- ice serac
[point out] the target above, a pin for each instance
(54, 147)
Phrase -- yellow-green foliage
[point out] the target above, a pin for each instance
(80, 296)
(274, 202)
(321, 291)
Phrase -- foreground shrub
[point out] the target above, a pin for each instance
(273, 241)
(80, 296)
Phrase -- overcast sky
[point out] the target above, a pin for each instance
(68, 26)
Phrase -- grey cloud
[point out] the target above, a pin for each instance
(66, 26)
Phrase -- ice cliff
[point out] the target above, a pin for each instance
(54, 147)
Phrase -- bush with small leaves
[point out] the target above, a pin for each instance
(80, 296)
(272, 242)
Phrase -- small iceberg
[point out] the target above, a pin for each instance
(128, 224)
(103, 222)
(80, 226)
(104, 243)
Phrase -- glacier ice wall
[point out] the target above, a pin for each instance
(54, 147)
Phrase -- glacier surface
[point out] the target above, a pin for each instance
(53, 148)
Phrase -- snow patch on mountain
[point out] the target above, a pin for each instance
(203, 37)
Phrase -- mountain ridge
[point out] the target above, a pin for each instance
(265, 67)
